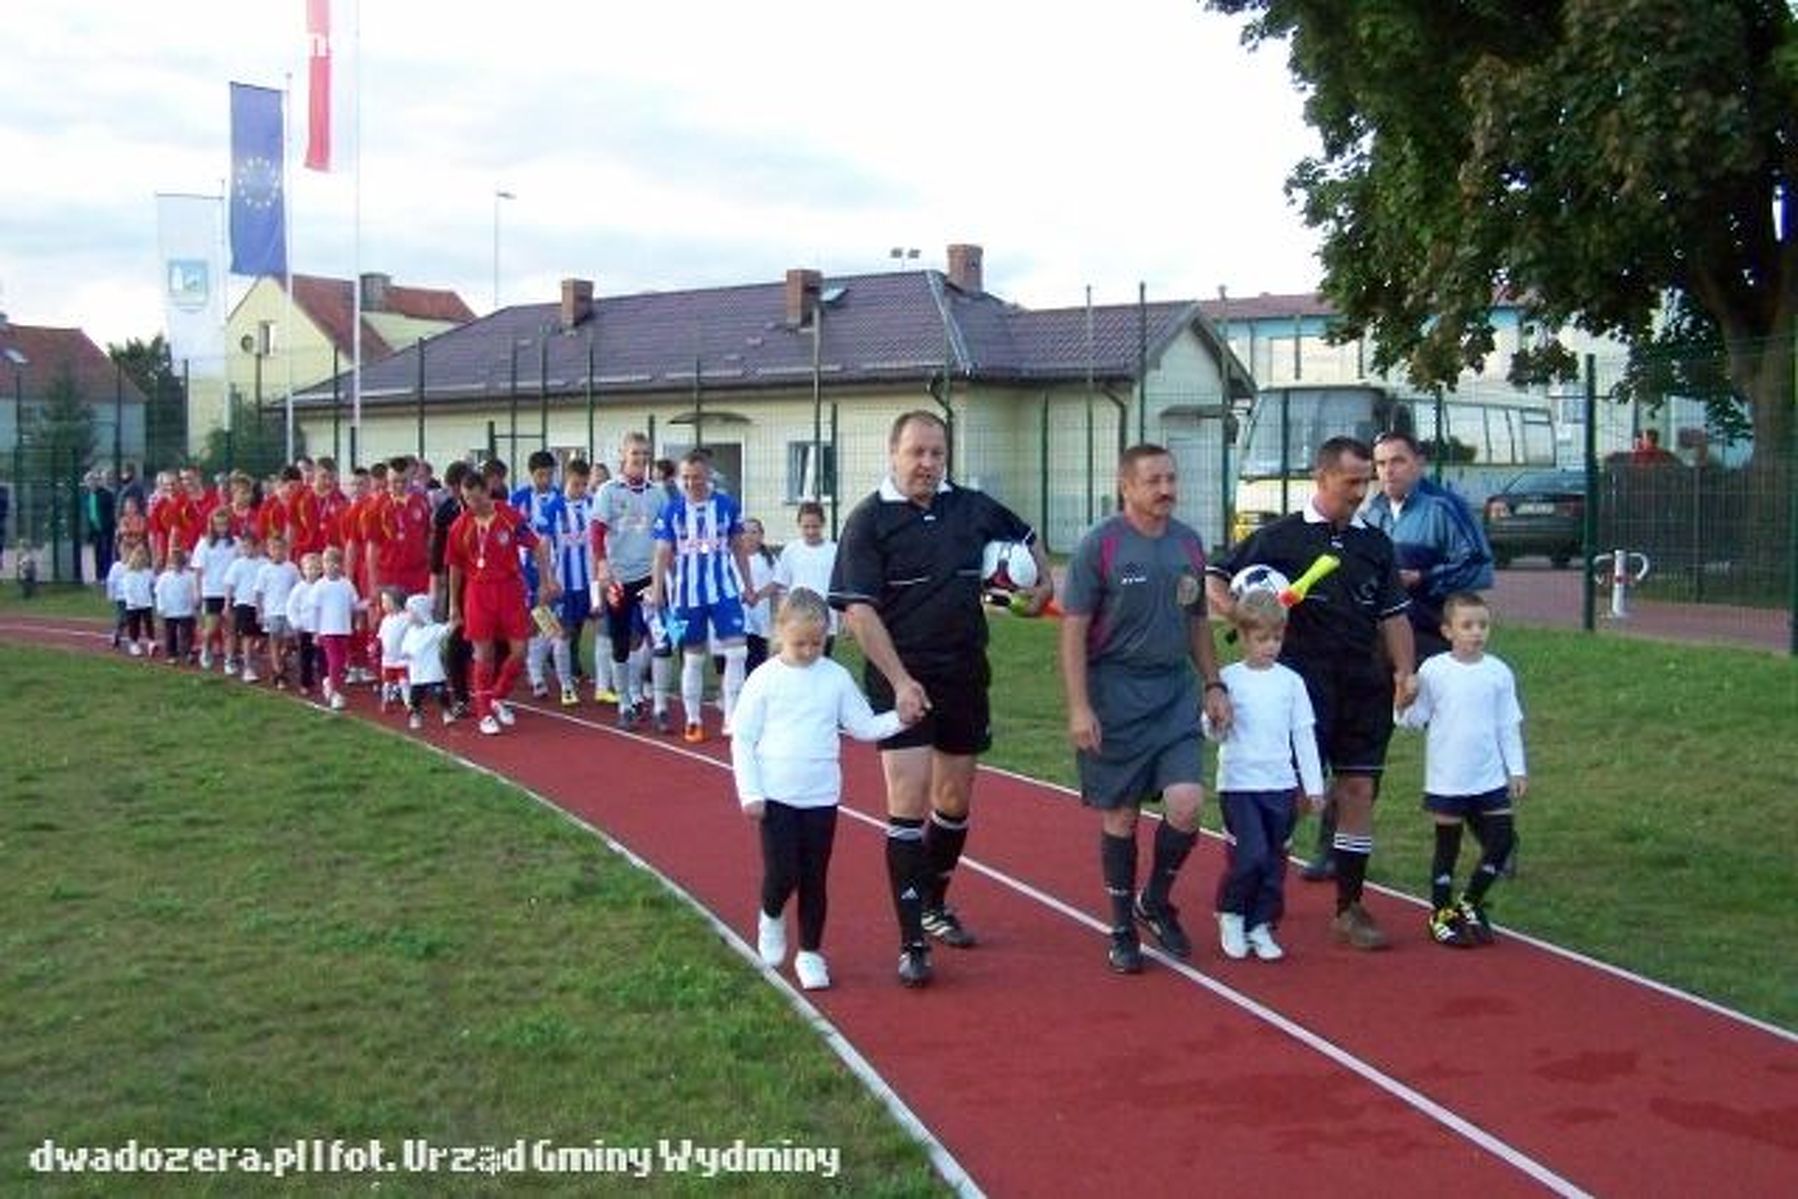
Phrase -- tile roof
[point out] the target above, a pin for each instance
(330, 303)
(46, 352)
(891, 326)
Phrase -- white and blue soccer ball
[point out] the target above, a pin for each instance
(1007, 566)
(1258, 578)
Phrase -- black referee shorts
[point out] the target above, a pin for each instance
(960, 718)
(1353, 705)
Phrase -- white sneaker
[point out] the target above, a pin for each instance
(336, 701)
(449, 716)
(539, 690)
(415, 720)
(809, 968)
(502, 711)
(489, 726)
(249, 676)
(771, 938)
(1261, 940)
(1230, 936)
(136, 650)
(206, 660)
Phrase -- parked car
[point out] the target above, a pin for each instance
(1538, 512)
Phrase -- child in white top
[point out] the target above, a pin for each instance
(758, 618)
(421, 649)
(336, 599)
(240, 596)
(115, 583)
(1473, 765)
(213, 558)
(390, 634)
(1256, 784)
(784, 751)
(177, 602)
(809, 561)
(302, 621)
(138, 589)
(274, 581)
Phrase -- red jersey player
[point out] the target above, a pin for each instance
(487, 593)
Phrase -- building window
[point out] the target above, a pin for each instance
(811, 471)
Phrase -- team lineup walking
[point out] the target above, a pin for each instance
(446, 594)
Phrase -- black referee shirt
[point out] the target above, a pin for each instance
(920, 569)
(1340, 617)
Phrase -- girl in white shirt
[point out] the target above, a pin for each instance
(302, 620)
(422, 651)
(335, 597)
(138, 589)
(1257, 787)
(213, 558)
(390, 635)
(784, 751)
(809, 561)
(758, 618)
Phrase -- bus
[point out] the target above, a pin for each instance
(1488, 438)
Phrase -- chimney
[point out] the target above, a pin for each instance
(374, 291)
(577, 302)
(964, 269)
(803, 289)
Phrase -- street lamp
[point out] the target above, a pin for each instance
(498, 195)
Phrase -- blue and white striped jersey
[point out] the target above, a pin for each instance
(568, 541)
(539, 509)
(704, 571)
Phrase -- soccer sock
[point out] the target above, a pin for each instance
(907, 865)
(481, 686)
(943, 842)
(1496, 834)
(1442, 865)
(1117, 865)
(602, 654)
(506, 676)
(1171, 850)
(637, 668)
(662, 676)
(735, 660)
(563, 654)
(1351, 852)
(692, 687)
(536, 651)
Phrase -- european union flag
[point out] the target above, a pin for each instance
(258, 196)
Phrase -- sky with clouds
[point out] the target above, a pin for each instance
(662, 146)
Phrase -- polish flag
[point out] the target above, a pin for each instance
(318, 108)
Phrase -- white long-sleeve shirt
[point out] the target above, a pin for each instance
(138, 589)
(177, 594)
(1270, 729)
(301, 611)
(422, 649)
(1475, 739)
(273, 581)
(335, 600)
(808, 566)
(784, 744)
(391, 633)
(213, 559)
(115, 582)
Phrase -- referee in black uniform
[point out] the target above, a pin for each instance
(1350, 640)
(908, 581)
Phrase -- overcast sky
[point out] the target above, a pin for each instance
(654, 146)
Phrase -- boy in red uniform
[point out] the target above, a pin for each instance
(487, 593)
(396, 529)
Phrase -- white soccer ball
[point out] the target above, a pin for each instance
(1007, 566)
(1258, 578)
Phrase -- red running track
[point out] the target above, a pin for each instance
(1512, 1070)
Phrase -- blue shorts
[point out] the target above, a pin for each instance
(1464, 806)
(722, 619)
(573, 609)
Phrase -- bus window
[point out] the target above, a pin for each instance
(1466, 434)
(1538, 438)
(1501, 431)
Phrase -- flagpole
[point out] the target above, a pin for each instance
(287, 172)
(356, 276)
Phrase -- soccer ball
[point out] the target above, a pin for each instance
(1258, 578)
(1007, 566)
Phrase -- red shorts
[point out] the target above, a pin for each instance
(495, 611)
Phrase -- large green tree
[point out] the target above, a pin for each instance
(1623, 166)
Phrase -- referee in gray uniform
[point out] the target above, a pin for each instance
(1137, 661)
(907, 580)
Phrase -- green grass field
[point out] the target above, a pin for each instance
(207, 946)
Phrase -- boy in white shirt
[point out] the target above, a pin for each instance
(115, 592)
(784, 750)
(421, 649)
(1257, 787)
(177, 603)
(274, 581)
(302, 620)
(1473, 765)
(390, 634)
(240, 596)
